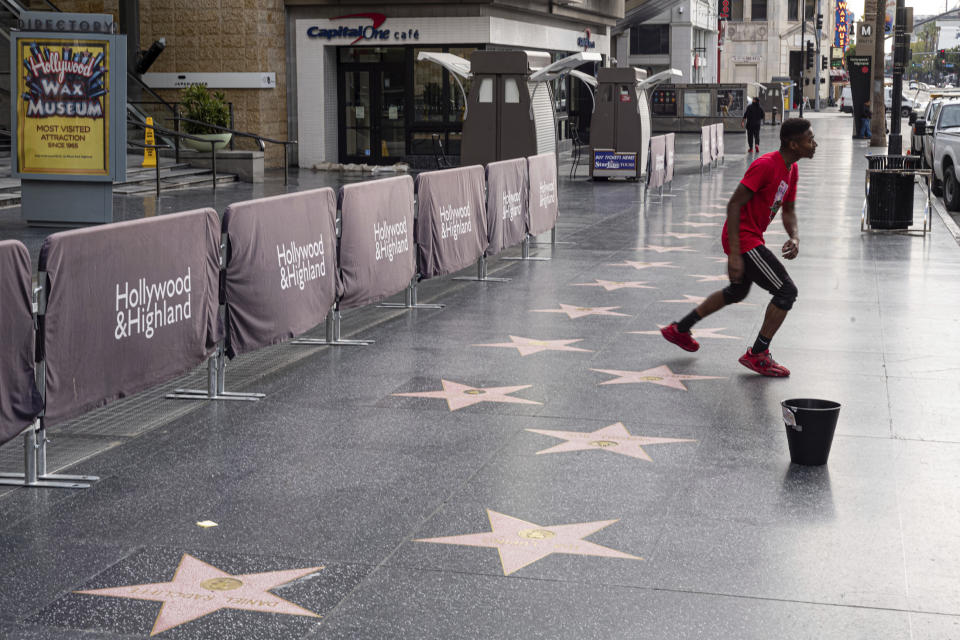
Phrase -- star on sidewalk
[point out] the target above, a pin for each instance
(521, 543)
(459, 395)
(698, 224)
(198, 589)
(716, 259)
(705, 278)
(643, 265)
(579, 312)
(613, 285)
(528, 346)
(662, 249)
(613, 438)
(688, 299)
(661, 375)
(697, 332)
(684, 236)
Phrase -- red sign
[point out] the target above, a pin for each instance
(724, 9)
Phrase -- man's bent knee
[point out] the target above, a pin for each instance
(785, 296)
(735, 293)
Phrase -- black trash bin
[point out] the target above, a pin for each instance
(810, 425)
(890, 197)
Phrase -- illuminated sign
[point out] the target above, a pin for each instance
(841, 34)
(724, 9)
(63, 106)
(368, 32)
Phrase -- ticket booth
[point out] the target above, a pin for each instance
(620, 126)
(687, 107)
(509, 110)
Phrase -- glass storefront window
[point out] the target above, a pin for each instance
(427, 89)
(696, 104)
(730, 103)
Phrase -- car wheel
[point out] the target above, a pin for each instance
(937, 188)
(951, 189)
(905, 112)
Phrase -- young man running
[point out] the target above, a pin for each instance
(769, 184)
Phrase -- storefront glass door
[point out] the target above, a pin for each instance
(357, 116)
(373, 125)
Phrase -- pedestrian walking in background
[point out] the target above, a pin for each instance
(865, 115)
(769, 184)
(753, 121)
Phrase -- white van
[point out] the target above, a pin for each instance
(846, 100)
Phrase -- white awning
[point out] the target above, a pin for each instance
(565, 65)
(452, 63)
(658, 78)
(585, 78)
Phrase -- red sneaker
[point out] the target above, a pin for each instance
(683, 340)
(757, 149)
(764, 364)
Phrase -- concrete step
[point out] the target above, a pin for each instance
(197, 180)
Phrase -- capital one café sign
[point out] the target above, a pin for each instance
(366, 28)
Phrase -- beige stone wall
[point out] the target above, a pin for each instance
(218, 36)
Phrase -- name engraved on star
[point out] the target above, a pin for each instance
(548, 193)
(511, 205)
(390, 239)
(455, 222)
(536, 534)
(604, 443)
(146, 307)
(252, 602)
(652, 378)
(172, 594)
(301, 263)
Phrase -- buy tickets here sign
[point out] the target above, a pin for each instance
(63, 106)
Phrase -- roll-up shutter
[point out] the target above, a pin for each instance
(543, 116)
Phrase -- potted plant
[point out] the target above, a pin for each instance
(199, 103)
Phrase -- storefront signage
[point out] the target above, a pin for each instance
(617, 161)
(63, 106)
(841, 35)
(100, 23)
(747, 58)
(584, 42)
(724, 9)
(372, 32)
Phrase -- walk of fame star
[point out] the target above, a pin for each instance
(706, 278)
(613, 438)
(698, 224)
(579, 312)
(611, 285)
(459, 395)
(661, 375)
(198, 589)
(715, 259)
(643, 265)
(708, 215)
(662, 249)
(687, 299)
(698, 333)
(684, 236)
(521, 543)
(527, 346)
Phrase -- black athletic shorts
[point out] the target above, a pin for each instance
(762, 267)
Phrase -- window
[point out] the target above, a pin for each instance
(650, 39)
(511, 92)
(758, 10)
(811, 8)
(793, 10)
(736, 10)
(486, 90)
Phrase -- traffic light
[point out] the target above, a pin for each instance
(823, 62)
(819, 22)
(809, 61)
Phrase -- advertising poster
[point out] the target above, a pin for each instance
(63, 106)
(730, 103)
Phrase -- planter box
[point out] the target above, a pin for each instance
(247, 165)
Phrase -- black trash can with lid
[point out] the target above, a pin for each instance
(890, 195)
(810, 426)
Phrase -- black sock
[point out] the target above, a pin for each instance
(761, 345)
(688, 321)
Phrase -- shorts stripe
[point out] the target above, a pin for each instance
(765, 268)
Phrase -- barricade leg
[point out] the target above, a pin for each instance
(482, 273)
(525, 252)
(216, 383)
(332, 330)
(410, 300)
(35, 465)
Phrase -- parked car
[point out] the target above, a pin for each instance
(946, 152)
(846, 100)
(907, 104)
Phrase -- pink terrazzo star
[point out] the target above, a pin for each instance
(611, 285)
(688, 299)
(579, 312)
(662, 249)
(521, 543)
(698, 333)
(684, 236)
(643, 265)
(459, 395)
(708, 215)
(705, 278)
(613, 438)
(661, 375)
(528, 346)
(698, 224)
(198, 589)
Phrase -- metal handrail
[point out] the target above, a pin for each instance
(144, 145)
(176, 134)
(243, 134)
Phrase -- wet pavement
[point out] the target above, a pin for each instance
(534, 460)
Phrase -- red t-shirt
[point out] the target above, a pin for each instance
(772, 183)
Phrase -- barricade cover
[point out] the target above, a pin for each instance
(719, 126)
(281, 275)
(670, 144)
(658, 152)
(706, 145)
(451, 220)
(714, 142)
(376, 240)
(507, 193)
(20, 402)
(129, 305)
(543, 203)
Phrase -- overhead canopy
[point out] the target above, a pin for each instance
(586, 78)
(658, 78)
(565, 65)
(452, 63)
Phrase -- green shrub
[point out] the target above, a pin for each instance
(199, 103)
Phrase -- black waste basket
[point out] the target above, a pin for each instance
(890, 198)
(810, 425)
